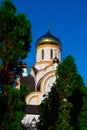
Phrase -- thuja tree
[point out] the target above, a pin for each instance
(49, 110)
(15, 38)
(12, 107)
(65, 101)
(82, 121)
(70, 87)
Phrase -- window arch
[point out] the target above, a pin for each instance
(42, 54)
(56, 53)
(51, 54)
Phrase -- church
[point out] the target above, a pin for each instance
(42, 75)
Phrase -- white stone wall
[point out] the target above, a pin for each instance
(47, 53)
(28, 119)
(35, 98)
(41, 65)
(25, 73)
(41, 73)
(47, 82)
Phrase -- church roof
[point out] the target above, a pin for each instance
(48, 38)
(32, 109)
(29, 82)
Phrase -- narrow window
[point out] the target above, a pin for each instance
(51, 54)
(42, 54)
(56, 53)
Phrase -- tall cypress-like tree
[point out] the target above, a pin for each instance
(49, 110)
(82, 119)
(12, 107)
(15, 38)
(70, 88)
(66, 107)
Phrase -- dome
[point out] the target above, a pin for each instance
(48, 38)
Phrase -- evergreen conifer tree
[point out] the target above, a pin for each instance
(82, 119)
(15, 38)
(65, 100)
(12, 107)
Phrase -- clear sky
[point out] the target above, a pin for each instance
(68, 21)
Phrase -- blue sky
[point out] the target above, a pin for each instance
(68, 21)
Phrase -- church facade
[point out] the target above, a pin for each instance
(42, 75)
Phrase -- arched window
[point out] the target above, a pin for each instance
(42, 54)
(51, 54)
(56, 53)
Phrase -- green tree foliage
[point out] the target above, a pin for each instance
(12, 107)
(15, 38)
(82, 119)
(66, 101)
(49, 110)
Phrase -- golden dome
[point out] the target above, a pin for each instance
(48, 38)
(25, 66)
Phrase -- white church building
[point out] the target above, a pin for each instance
(42, 75)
